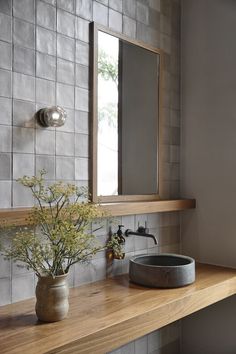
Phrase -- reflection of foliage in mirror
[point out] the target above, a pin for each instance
(107, 67)
(108, 70)
(108, 113)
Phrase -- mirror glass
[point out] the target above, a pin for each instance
(127, 117)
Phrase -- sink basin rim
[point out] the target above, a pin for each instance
(190, 260)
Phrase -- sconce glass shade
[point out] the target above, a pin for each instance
(51, 117)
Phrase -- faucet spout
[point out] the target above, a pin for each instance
(142, 231)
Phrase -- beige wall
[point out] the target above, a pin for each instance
(208, 157)
(61, 77)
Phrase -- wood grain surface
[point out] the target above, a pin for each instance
(18, 216)
(109, 313)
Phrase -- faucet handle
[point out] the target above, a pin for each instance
(143, 230)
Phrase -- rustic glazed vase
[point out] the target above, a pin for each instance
(52, 298)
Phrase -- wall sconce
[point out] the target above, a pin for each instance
(51, 117)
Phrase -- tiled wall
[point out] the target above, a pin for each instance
(44, 58)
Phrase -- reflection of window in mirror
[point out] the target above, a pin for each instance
(126, 118)
(108, 57)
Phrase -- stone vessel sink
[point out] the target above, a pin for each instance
(162, 270)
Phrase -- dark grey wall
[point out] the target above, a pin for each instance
(208, 170)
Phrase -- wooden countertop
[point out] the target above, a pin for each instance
(110, 313)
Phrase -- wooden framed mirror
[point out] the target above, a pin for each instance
(126, 108)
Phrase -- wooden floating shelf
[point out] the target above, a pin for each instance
(148, 207)
(18, 216)
(110, 313)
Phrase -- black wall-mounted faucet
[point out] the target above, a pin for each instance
(142, 231)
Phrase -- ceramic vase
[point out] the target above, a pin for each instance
(52, 298)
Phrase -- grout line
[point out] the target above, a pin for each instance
(12, 58)
(35, 85)
(56, 85)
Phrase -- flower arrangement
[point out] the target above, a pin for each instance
(116, 246)
(61, 237)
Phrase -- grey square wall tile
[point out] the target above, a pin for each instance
(65, 47)
(51, 2)
(5, 267)
(104, 2)
(81, 122)
(5, 290)
(23, 164)
(19, 268)
(116, 5)
(129, 27)
(24, 9)
(81, 145)
(127, 349)
(65, 168)
(115, 20)
(142, 13)
(5, 83)
(46, 41)
(155, 4)
(5, 192)
(83, 274)
(23, 287)
(81, 169)
(100, 13)
(46, 15)
(165, 43)
(23, 140)
(5, 138)
(148, 35)
(23, 87)
(65, 95)
(24, 33)
(82, 76)
(154, 19)
(5, 56)
(24, 60)
(47, 163)
(22, 196)
(129, 8)
(65, 145)
(65, 23)
(81, 99)
(5, 25)
(45, 66)
(68, 5)
(82, 29)
(65, 71)
(69, 125)
(45, 142)
(154, 341)
(98, 269)
(82, 53)
(165, 7)
(6, 6)
(23, 114)
(5, 166)
(6, 110)
(84, 8)
(45, 91)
